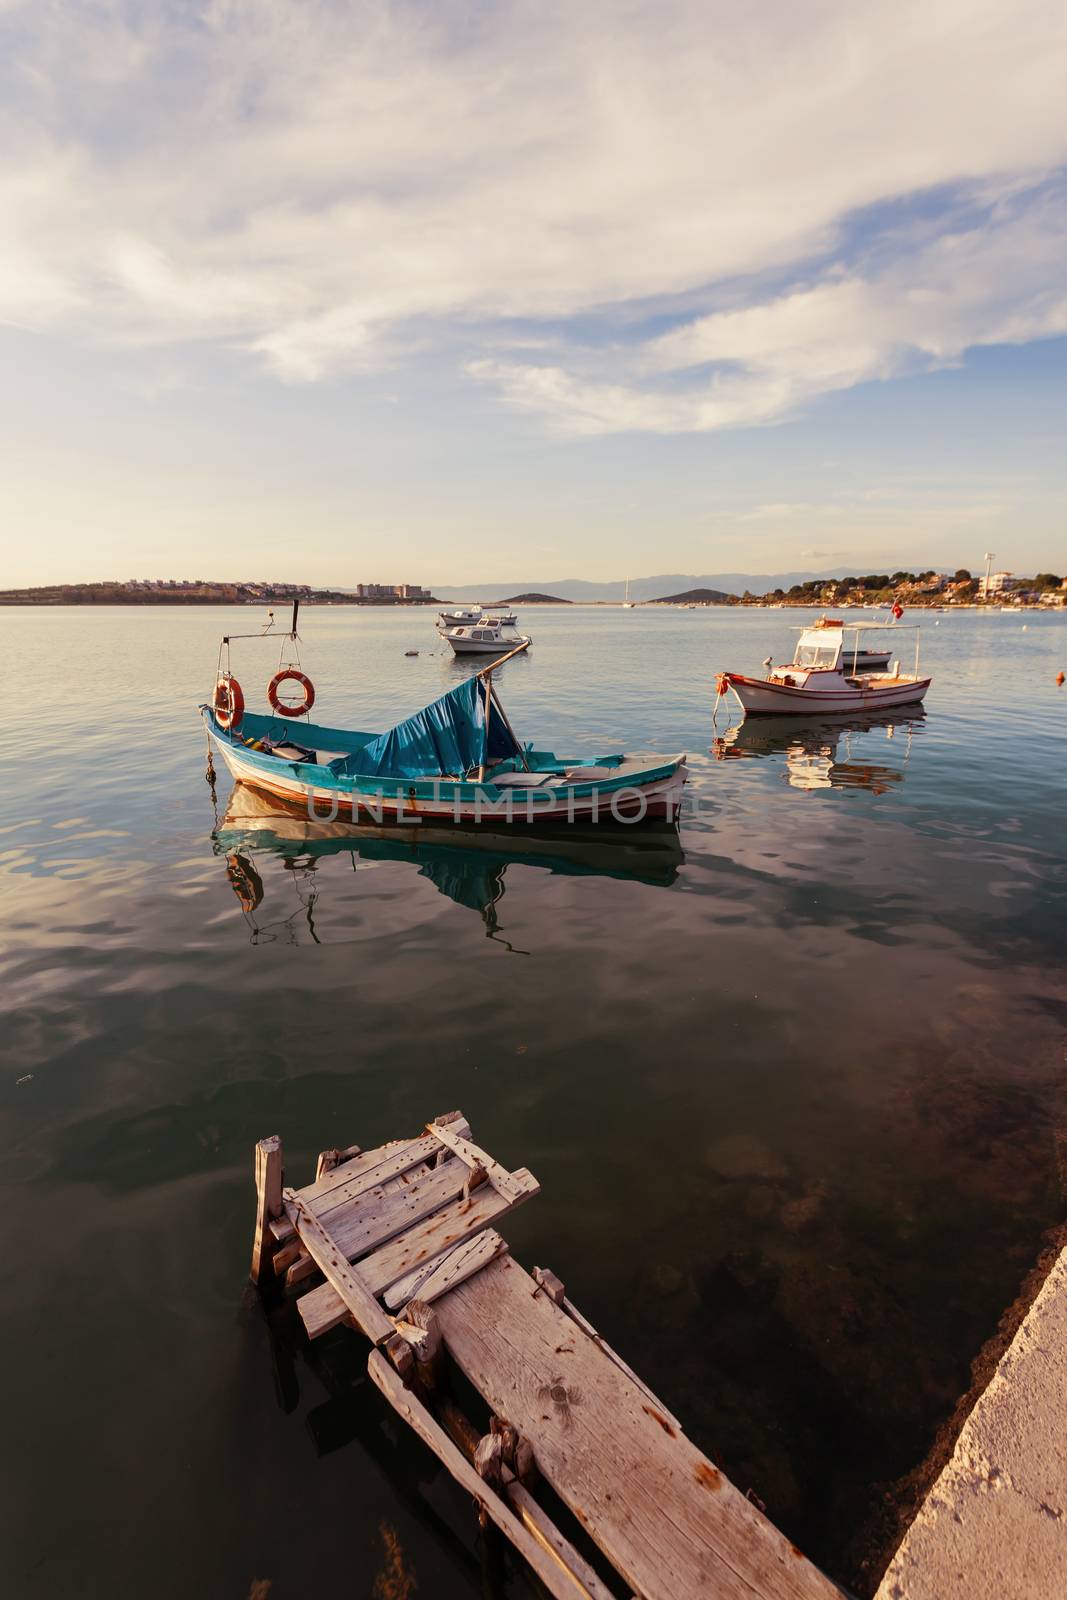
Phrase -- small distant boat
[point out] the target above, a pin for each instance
(484, 639)
(823, 677)
(466, 616)
(627, 603)
(457, 760)
(459, 617)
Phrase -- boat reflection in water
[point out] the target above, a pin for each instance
(468, 865)
(827, 752)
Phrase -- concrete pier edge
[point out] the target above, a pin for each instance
(994, 1521)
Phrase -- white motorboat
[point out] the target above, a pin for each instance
(483, 639)
(460, 617)
(467, 616)
(821, 677)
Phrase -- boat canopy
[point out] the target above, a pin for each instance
(448, 737)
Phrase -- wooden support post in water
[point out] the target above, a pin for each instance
(508, 1436)
(268, 1201)
(488, 1464)
(427, 1348)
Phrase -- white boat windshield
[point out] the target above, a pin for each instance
(816, 655)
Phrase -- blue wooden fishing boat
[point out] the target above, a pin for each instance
(457, 760)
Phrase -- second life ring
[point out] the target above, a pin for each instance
(228, 702)
(290, 674)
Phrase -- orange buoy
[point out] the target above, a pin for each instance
(1060, 679)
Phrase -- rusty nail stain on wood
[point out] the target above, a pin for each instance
(664, 1424)
(708, 1477)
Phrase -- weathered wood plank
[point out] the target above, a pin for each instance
(446, 1270)
(371, 1219)
(398, 1170)
(268, 1201)
(587, 1583)
(421, 1147)
(358, 1300)
(473, 1156)
(416, 1415)
(666, 1518)
(329, 1160)
(322, 1309)
(613, 1355)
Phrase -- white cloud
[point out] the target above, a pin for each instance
(329, 186)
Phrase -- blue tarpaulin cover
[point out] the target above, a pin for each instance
(447, 736)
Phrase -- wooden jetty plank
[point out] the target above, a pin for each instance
(395, 1155)
(329, 1159)
(667, 1519)
(323, 1309)
(347, 1284)
(586, 1582)
(371, 1219)
(473, 1156)
(268, 1200)
(544, 1563)
(394, 1173)
(452, 1266)
(613, 1355)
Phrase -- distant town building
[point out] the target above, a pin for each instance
(391, 591)
(996, 583)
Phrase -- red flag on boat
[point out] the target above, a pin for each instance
(898, 610)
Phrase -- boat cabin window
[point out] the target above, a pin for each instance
(816, 655)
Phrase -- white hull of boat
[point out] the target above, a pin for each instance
(465, 645)
(760, 698)
(457, 619)
(657, 799)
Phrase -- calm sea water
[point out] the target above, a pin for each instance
(791, 1083)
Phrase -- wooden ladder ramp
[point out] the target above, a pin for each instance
(399, 1243)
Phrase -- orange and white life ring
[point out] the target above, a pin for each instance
(283, 707)
(228, 702)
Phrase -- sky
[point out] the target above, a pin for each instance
(341, 291)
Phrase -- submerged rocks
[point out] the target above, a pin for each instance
(742, 1155)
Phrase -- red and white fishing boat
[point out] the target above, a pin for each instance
(825, 675)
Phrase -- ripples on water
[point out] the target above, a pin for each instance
(791, 1080)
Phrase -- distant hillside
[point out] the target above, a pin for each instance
(578, 589)
(698, 597)
(532, 600)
